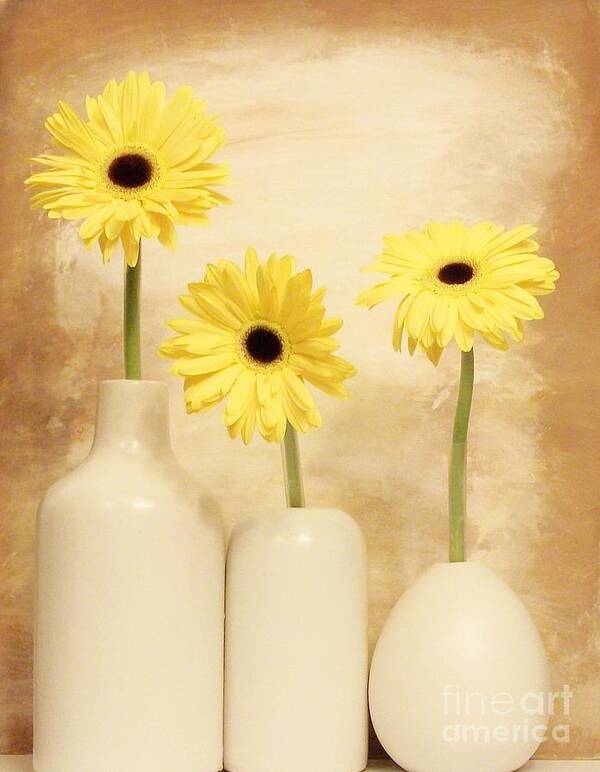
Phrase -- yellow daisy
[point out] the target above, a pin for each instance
(257, 335)
(136, 167)
(454, 281)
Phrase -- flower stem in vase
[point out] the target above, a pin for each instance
(458, 458)
(131, 316)
(290, 455)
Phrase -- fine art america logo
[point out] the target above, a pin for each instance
(472, 717)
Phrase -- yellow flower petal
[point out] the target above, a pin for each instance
(149, 157)
(455, 281)
(264, 330)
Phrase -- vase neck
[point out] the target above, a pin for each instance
(132, 417)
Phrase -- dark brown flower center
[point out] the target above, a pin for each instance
(130, 170)
(456, 273)
(263, 345)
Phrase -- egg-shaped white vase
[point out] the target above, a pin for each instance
(459, 679)
(296, 658)
(128, 657)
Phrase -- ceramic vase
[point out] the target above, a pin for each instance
(296, 660)
(129, 604)
(459, 679)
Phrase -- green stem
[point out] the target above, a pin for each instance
(131, 318)
(458, 458)
(292, 473)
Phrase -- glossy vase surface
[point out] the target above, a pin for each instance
(459, 679)
(129, 604)
(296, 661)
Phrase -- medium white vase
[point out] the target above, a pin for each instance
(129, 604)
(459, 678)
(296, 660)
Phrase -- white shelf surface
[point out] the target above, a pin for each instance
(533, 766)
(23, 764)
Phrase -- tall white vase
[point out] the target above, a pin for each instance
(129, 606)
(296, 661)
(459, 679)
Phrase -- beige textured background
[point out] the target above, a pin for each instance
(346, 120)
